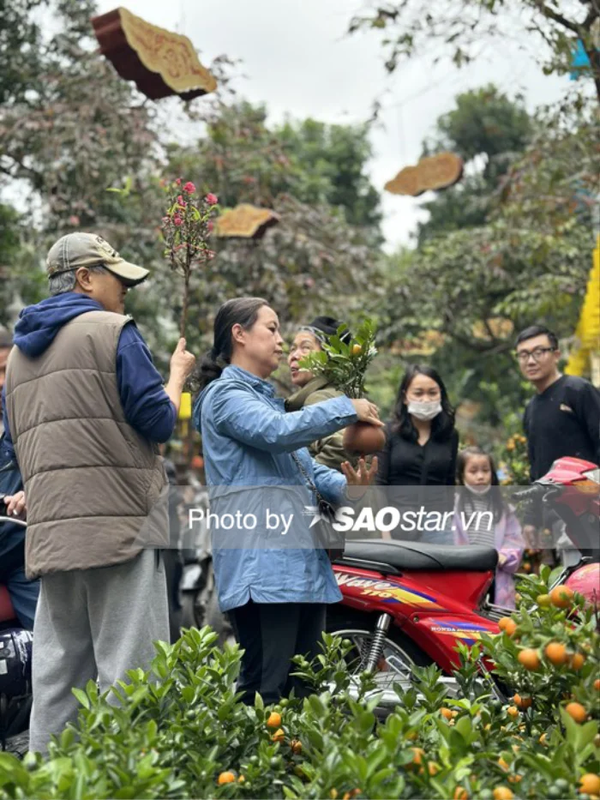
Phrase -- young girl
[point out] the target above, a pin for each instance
(482, 517)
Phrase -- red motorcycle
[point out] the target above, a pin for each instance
(408, 604)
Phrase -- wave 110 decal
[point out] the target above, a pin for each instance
(387, 591)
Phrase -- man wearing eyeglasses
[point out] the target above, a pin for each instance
(562, 419)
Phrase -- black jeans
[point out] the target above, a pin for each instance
(271, 634)
(173, 571)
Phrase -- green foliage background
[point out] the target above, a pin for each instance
(508, 246)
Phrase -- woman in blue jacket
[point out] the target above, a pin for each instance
(274, 584)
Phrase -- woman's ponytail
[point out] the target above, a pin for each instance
(208, 370)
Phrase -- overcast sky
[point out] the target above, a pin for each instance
(298, 60)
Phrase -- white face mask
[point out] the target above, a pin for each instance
(424, 409)
(479, 489)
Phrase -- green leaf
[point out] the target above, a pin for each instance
(587, 733)
(82, 698)
(317, 706)
(464, 726)
(539, 763)
(573, 729)
(375, 760)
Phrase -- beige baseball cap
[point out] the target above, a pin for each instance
(90, 250)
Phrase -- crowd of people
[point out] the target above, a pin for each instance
(84, 413)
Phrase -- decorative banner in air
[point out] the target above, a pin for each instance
(434, 172)
(245, 222)
(160, 62)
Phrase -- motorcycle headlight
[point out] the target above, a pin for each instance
(591, 484)
(593, 475)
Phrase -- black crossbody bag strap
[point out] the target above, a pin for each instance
(326, 537)
(308, 480)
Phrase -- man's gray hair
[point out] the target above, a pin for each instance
(66, 281)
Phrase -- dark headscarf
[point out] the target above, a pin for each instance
(326, 326)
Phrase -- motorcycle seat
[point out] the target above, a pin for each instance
(424, 557)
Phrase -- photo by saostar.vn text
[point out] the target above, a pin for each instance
(347, 520)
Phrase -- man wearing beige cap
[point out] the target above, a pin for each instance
(85, 408)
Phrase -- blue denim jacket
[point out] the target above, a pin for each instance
(11, 536)
(247, 441)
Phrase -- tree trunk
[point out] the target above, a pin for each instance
(594, 57)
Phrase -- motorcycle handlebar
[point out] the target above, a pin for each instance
(546, 491)
(531, 491)
(4, 518)
(14, 520)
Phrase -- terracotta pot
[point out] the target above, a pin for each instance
(362, 439)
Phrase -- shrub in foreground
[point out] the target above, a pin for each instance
(180, 732)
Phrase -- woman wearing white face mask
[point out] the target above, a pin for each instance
(421, 449)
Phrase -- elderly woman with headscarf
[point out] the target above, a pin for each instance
(328, 450)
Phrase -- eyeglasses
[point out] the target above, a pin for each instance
(537, 354)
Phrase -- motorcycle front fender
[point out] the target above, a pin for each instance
(586, 581)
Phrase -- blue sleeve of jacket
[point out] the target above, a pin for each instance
(7, 443)
(330, 483)
(242, 416)
(146, 405)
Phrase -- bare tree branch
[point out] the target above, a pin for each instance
(549, 13)
(592, 16)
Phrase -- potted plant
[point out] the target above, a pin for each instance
(344, 365)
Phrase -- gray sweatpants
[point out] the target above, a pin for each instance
(93, 624)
